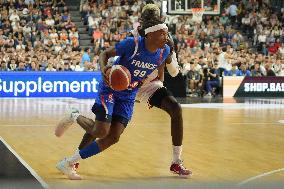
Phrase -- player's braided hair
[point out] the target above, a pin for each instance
(149, 11)
(150, 16)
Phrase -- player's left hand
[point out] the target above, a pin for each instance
(170, 43)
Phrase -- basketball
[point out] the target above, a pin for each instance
(119, 77)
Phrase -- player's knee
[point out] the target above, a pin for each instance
(114, 138)
(101, 132)
(176, 109)
(172, 107)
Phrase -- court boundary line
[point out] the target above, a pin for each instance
(24, 163)
(260, 176)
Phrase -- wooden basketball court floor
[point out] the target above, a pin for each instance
(225, 145)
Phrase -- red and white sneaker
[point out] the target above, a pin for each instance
(178, 168)
(76, 166)
(66, 168)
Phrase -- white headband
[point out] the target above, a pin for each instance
(156, 28)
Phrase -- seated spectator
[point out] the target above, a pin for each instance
(21, 67)
(256, 71)
(232, 72)
(97, 35)
(33, 66)
(272, 49)
(3, 66)
(67, 66)
(277, 67)
(76, 67)
(86, 56)
(264, 49)
(12, 65)
(193, 78)
(269, 71)
(213, 80)
(281, 50)
(224, 19)
(243, 70)
(50, 68)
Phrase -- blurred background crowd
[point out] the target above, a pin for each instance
(246, 39)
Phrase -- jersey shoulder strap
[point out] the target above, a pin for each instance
(161, 56)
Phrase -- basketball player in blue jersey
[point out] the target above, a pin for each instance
(113, 109)
(154, 94)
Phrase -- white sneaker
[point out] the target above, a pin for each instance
(66, 122)
(208, 95)
(66, 168)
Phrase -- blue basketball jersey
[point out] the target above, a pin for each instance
(140, 65)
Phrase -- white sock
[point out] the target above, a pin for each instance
(75, 116)
(177, 153)
(75, 158)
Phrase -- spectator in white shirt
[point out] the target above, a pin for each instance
(50, 68)
(49, 21)
(14, 17)
(222, 61)
(232, 10)
(262, 39)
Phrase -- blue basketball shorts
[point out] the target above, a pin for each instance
(109, 107)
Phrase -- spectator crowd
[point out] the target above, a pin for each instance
(246, 39)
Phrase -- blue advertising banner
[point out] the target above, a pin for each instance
(49, 84)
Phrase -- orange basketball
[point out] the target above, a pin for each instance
(119, 77)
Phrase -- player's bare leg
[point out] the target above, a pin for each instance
(66, 165)
(69, 118)
(112, 137)
(86, 123)
(173, 108)
(86, 140)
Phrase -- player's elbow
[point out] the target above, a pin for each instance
(110, 52)
(173, 73)
(173, 67)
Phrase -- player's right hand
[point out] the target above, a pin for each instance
(105, 74)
